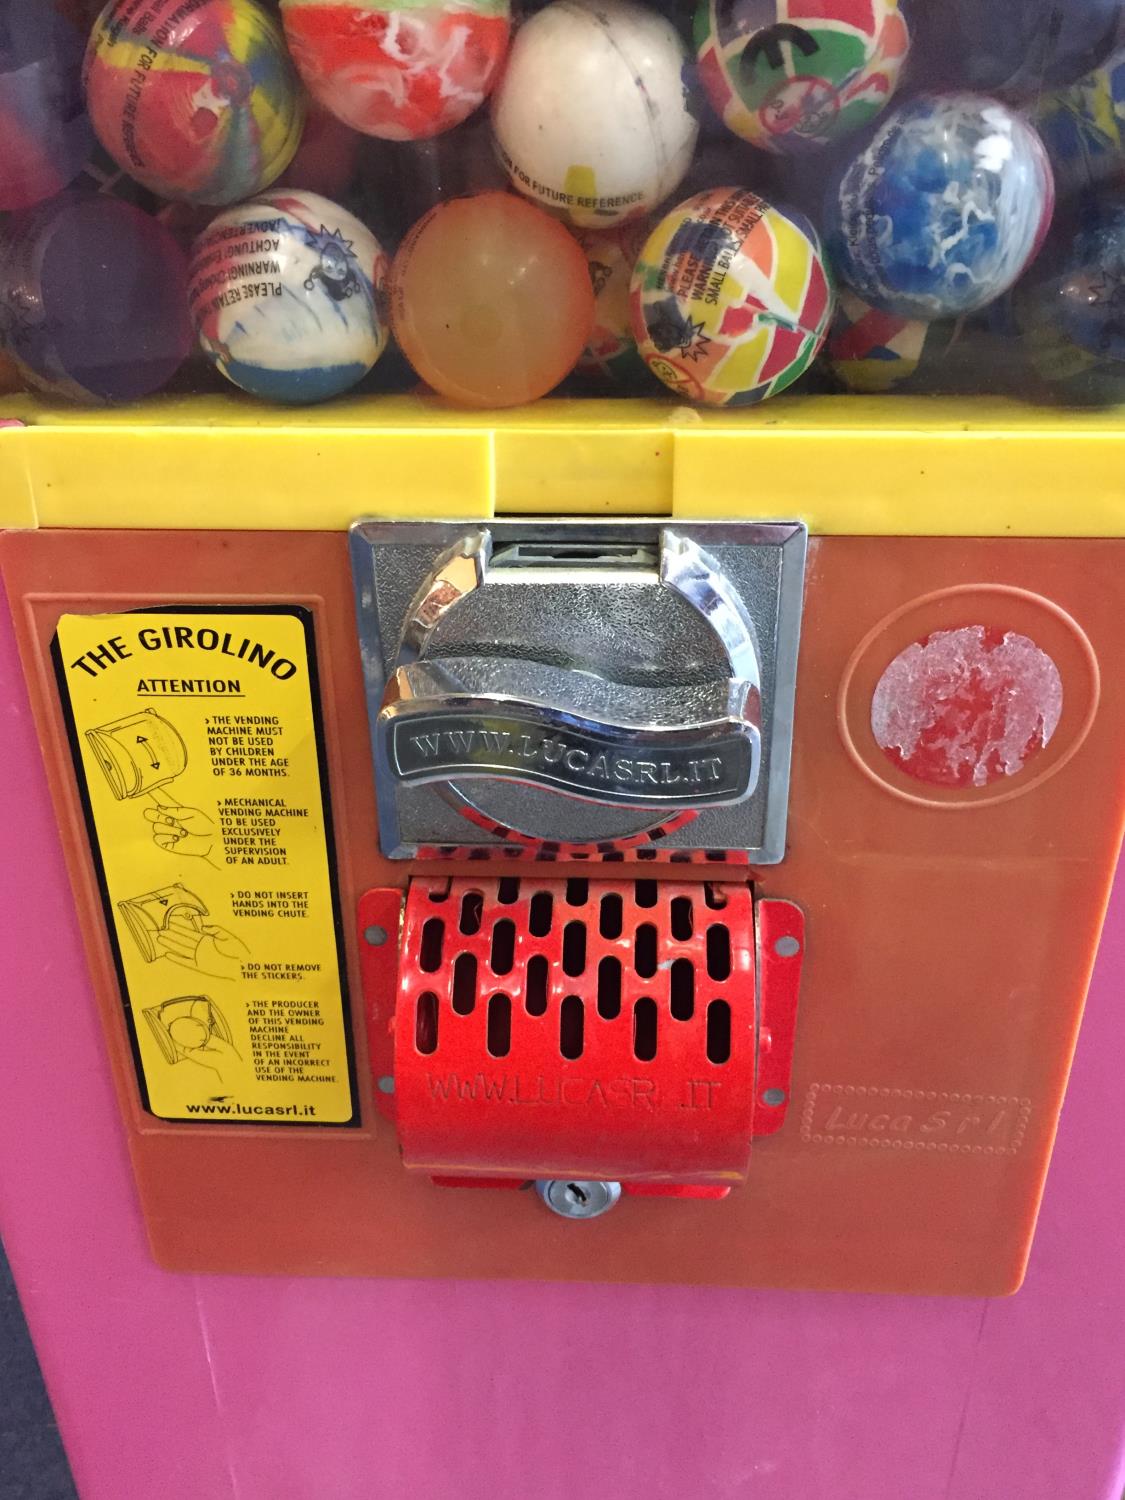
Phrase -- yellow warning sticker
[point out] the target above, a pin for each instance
(197, 742)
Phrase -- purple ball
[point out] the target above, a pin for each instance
(46, 134)
(93, 299)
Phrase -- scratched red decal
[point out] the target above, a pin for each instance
(967, 707)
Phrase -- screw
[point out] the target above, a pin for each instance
(577, 1200)
(386, 1084)
(375, 936)
(773, 1097)
(786, 947)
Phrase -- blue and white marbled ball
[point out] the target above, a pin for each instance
(943, 209)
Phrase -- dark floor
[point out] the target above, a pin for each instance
(32, 1463)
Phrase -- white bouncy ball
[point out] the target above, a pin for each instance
(592, 116)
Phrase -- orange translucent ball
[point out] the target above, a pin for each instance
(491, 300)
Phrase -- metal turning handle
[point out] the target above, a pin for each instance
(576, 732)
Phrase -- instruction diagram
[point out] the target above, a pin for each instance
(198, 750)
(140, 754)
(192, 1029)
(171, 923)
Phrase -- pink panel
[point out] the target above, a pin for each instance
(208, 1388)
(120, 1342)
(1045, 1410)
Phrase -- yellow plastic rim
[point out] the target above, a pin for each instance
(903, 466)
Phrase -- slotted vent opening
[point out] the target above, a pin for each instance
(572, 1027)
(682, 979)
(472, 906)
(718, 1032)
(574, 948)
(499, 1025)
(718, 951)
(503, 946)
(714, 895)
(508, 890)
(464, 984)
(433, 941)
(426, 1023)
(644, 1029)
(610, 916)
(609, 988)
(576, 892)
(644, 950)
(646, 892)
(682, 922)
(539, 916)
(535, 995)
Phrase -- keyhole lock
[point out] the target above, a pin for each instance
(578, 1200)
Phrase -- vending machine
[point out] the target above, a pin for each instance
(567, 573)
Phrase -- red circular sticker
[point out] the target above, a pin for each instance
(967, 707)
(804, 105)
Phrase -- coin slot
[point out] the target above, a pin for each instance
(572, 554)
(503, 946)
(644, 1029)
(572, 1026)
(535, 995)
(644, 950)
(499, 1026)
(574, 948)
(682, 923)
(464, 984)
(609, 917)
(433, 940)
(683, 989)
(426, 1023)
(472, 906)
(609, 988)
(718, 1032)
(718, 951)
(539, 917)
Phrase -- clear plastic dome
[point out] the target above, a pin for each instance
(717, 203)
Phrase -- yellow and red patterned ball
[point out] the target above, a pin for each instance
(196, 101)
(730, 298)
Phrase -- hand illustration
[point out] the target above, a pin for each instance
(182, 830)
(195, 1042)
(207, 949)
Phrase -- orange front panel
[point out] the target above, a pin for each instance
(950, 930)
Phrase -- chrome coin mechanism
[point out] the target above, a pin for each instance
(580, 686)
